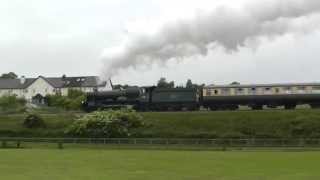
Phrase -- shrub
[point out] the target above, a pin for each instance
(106, 124)
(12, 103)
(71, 102)
(33, 121)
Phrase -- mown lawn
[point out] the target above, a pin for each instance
(96, 164)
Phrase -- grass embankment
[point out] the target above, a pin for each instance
(261, 124)
(268, 124)
(84, 164)
(12, 125)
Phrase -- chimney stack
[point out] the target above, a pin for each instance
(23, 79)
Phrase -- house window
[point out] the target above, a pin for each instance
(277, 90)
(216, 92)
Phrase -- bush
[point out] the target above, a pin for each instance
(106, 124)
(71, 102)
(12, 103)
(33, 121)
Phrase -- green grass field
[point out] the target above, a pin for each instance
(96, 164)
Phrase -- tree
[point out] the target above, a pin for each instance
(235, 83)
(8, 103)
(189, 84)
(10, 75)
(162, 83)
(33, 121)
(71, 102)
(171, 84)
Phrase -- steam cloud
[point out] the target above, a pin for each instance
(226, 27)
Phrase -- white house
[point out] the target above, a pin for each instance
(31, 88)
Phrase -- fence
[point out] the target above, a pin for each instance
(219, 143)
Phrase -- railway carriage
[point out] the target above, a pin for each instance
(259, 95)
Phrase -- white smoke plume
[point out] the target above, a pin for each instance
(226, 27)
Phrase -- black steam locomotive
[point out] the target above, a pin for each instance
(145, 99)
(228, 97)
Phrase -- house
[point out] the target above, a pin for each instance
(33, 89)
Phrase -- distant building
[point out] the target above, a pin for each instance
(33, 89)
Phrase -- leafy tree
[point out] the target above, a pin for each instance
(71, 102)
(189, 84)
(9, 102)
(162, 83)
(235, 83)
(171, 84)
(33, 121)
(106, 124)
(10, 75)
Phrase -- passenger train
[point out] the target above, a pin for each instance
(213, 97)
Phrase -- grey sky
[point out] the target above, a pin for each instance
(51, 38)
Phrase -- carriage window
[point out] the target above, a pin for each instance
(253, 90)
(208, 92)
(225, 91)
(216, 92)
(287, 90)
(267, 90)
(240, 91)
(316, 89)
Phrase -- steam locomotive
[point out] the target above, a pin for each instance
(228, 97)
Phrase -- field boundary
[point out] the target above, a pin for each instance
(210, 143)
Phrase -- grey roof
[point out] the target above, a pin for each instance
(15, 83)
(263, 85)
(56, 82)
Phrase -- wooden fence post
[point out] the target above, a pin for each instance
(4, 144)
(18, 144)
(60, 145)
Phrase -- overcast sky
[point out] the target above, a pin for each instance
(55, 37)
